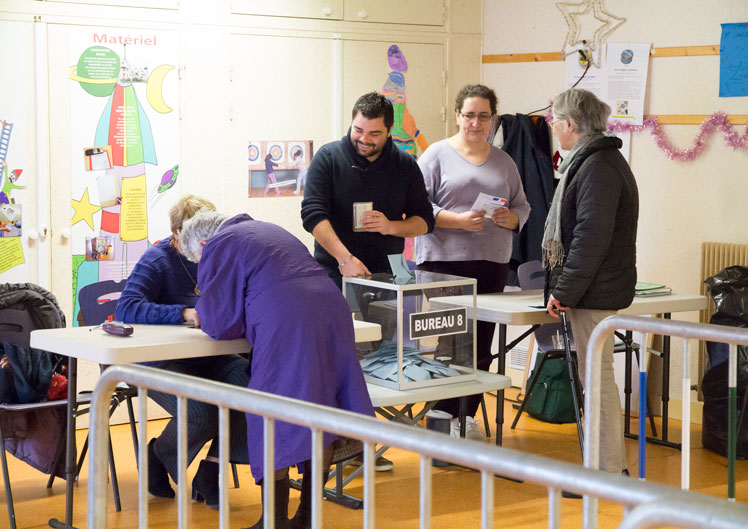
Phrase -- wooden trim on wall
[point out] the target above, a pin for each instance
(674, 51)
(685, 51)
(523, 57)
(696, 119)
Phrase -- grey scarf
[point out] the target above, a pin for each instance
(552, 247)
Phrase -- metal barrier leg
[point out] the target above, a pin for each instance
(732, 421)
(643, 411)
(6, 480)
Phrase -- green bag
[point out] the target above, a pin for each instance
(551, 399)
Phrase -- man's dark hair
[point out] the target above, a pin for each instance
(476, 90)
(374, 105)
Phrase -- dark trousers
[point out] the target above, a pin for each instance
(491, 277)
(202, 418)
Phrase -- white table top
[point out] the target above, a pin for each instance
(516, 308)
(152, 342)
(382, 396)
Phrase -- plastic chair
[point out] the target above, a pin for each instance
(98, 303)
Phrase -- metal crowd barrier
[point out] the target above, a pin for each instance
(677, 512)
(639, 499)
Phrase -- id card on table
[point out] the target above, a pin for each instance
(359, 208)
(488, 203)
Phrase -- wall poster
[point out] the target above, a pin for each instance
(278, 168)
(124, 156)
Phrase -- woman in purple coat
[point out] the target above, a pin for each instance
(260, 282)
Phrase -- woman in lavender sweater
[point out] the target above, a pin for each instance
(466, 241)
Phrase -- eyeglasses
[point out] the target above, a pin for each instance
(483, 117)
(557, 120)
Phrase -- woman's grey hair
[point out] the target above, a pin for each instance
(583, 108)
(201, 227)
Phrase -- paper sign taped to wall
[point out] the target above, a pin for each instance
(11, 253)
(134, 210)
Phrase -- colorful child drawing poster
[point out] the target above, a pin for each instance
(14, 156)
(124, 100)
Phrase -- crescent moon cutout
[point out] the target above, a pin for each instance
(154, 89)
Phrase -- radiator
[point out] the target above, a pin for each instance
(716, 256)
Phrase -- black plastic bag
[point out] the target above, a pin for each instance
(716, 408)
(729, 290)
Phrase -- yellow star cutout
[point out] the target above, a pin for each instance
(84, 210)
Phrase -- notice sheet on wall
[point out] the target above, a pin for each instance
(621, 80)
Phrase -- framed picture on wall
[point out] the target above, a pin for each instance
(278, 168)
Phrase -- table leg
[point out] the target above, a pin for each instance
(70, 450)
(627, 385)
(462, 414)
(500, 393)
(666, 380)
(665, 395)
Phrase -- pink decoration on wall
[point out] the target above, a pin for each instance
(715, 122)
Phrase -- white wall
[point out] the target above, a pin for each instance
(681, 204)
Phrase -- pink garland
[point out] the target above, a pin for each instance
(717, 121)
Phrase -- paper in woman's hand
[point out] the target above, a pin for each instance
(488, 203)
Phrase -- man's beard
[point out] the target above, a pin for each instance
(374, 150)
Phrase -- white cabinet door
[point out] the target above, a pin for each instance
(418, 12)
(381, 66)
(19, 227)
(282, 89)
(324, 9)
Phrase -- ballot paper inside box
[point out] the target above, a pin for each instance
(428, 330)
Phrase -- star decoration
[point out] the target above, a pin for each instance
(84, 210)
(573, 11)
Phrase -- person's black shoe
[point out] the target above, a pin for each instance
(303, 517)
(205, 484)
(280, 508)
(158, 478)
(570, 495)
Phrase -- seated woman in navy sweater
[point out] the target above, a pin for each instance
(162, 288)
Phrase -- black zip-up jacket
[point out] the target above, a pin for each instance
(338, 177)
(599, 216)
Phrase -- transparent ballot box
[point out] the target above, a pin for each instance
(425, 339)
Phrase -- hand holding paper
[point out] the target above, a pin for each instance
(472, 220)
(488, 203)
(505, 218)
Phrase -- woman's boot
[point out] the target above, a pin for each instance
(205, 484)
(158, 478)
(281, 505)
(303, 517)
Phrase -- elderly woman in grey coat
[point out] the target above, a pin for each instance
(589, 244)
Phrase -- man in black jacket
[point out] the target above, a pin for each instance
(589, 244)
(365, 172)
